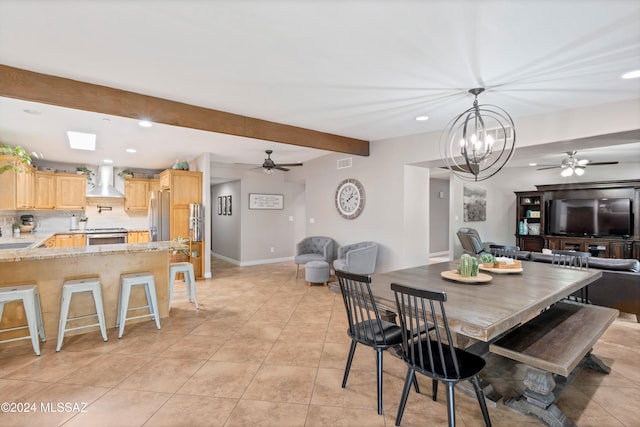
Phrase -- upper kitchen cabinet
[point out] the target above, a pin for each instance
(71, 191)
(136, 193)
(17, 190)
(45, 190)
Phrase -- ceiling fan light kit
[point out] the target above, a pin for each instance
(573, 165)
(479, 142)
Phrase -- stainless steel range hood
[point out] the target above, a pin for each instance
(105, 186)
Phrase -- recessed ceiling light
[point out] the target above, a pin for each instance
(34, 112)
(131, 150)
(145, 123)
(82, 141)
(422, 118)
(631, 74)
(533, 164)
(107, 161)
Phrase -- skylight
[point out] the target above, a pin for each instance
(82, 141)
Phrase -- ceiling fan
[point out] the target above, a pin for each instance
(573, 165)
(269, 165)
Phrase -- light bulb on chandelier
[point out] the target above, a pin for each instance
(479, 142)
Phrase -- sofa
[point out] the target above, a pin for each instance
(619, 286)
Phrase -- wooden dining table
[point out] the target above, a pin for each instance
(484, 311)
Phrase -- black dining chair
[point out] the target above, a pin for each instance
(573, 259)
(365, 325)
(434, 355)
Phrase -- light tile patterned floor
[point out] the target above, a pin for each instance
(265, 349)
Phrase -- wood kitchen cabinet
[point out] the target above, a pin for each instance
(184, 187)
(71, 191)
(17, 189)
(45, 190)
(65, 240)
(136, 194)
(138, 237)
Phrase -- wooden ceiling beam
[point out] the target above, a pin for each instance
(31, 86)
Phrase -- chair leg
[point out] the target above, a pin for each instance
(347, 368)
(451, 404)
(415, 384)
(434, 390)
(297, 269)
(483, 404)
(411, 373)
(379, 378)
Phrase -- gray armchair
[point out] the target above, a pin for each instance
(471, 243)
(357, 258)
(315, 248)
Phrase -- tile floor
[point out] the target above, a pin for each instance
(266, 349)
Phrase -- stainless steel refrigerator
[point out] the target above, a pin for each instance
(159, 216)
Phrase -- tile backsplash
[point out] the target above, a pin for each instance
(58, 221)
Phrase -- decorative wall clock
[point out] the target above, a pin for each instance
(350, 198)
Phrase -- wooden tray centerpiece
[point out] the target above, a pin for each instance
(500, 266)
(455, 276)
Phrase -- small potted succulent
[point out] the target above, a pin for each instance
(16, 229)
(487, 260)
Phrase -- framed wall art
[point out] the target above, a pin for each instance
(474, 204)
(266, 201)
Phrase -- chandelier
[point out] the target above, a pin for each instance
(479, 142)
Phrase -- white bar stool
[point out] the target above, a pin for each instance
(127, 282)
(71, 287)
(189, 279)
(30, 298)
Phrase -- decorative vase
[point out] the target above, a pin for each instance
(177, 165)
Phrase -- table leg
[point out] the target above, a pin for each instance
(543, 388)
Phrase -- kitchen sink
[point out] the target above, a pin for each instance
(15, 245)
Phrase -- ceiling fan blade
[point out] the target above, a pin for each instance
(280, 168)
(601, 163)
(289, 164)
(548, 167)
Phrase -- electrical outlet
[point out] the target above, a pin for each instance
(272, 249)
(312, 220)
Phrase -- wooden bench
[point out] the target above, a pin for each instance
(556, 342)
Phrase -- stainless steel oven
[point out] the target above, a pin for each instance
(106, 236)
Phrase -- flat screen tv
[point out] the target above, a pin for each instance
(590, 217)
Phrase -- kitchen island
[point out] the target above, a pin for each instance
(49, 268)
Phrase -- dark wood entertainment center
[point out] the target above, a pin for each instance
(530, 207)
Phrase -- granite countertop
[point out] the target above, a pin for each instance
(38, 238)
(36, 253)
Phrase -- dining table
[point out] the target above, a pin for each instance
(483, 311)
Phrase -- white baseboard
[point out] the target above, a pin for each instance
(439, 254)
(253, 262)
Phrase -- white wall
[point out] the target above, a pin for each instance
(226, 229)
(438, 215)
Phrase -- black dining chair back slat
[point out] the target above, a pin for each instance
(365, 325)
(578, 260)
(434, 354)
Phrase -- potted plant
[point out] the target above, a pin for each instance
(487, 260)
(180, 252)
(125, 173)
(88, 172)
(23, 158)
(16, 228)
